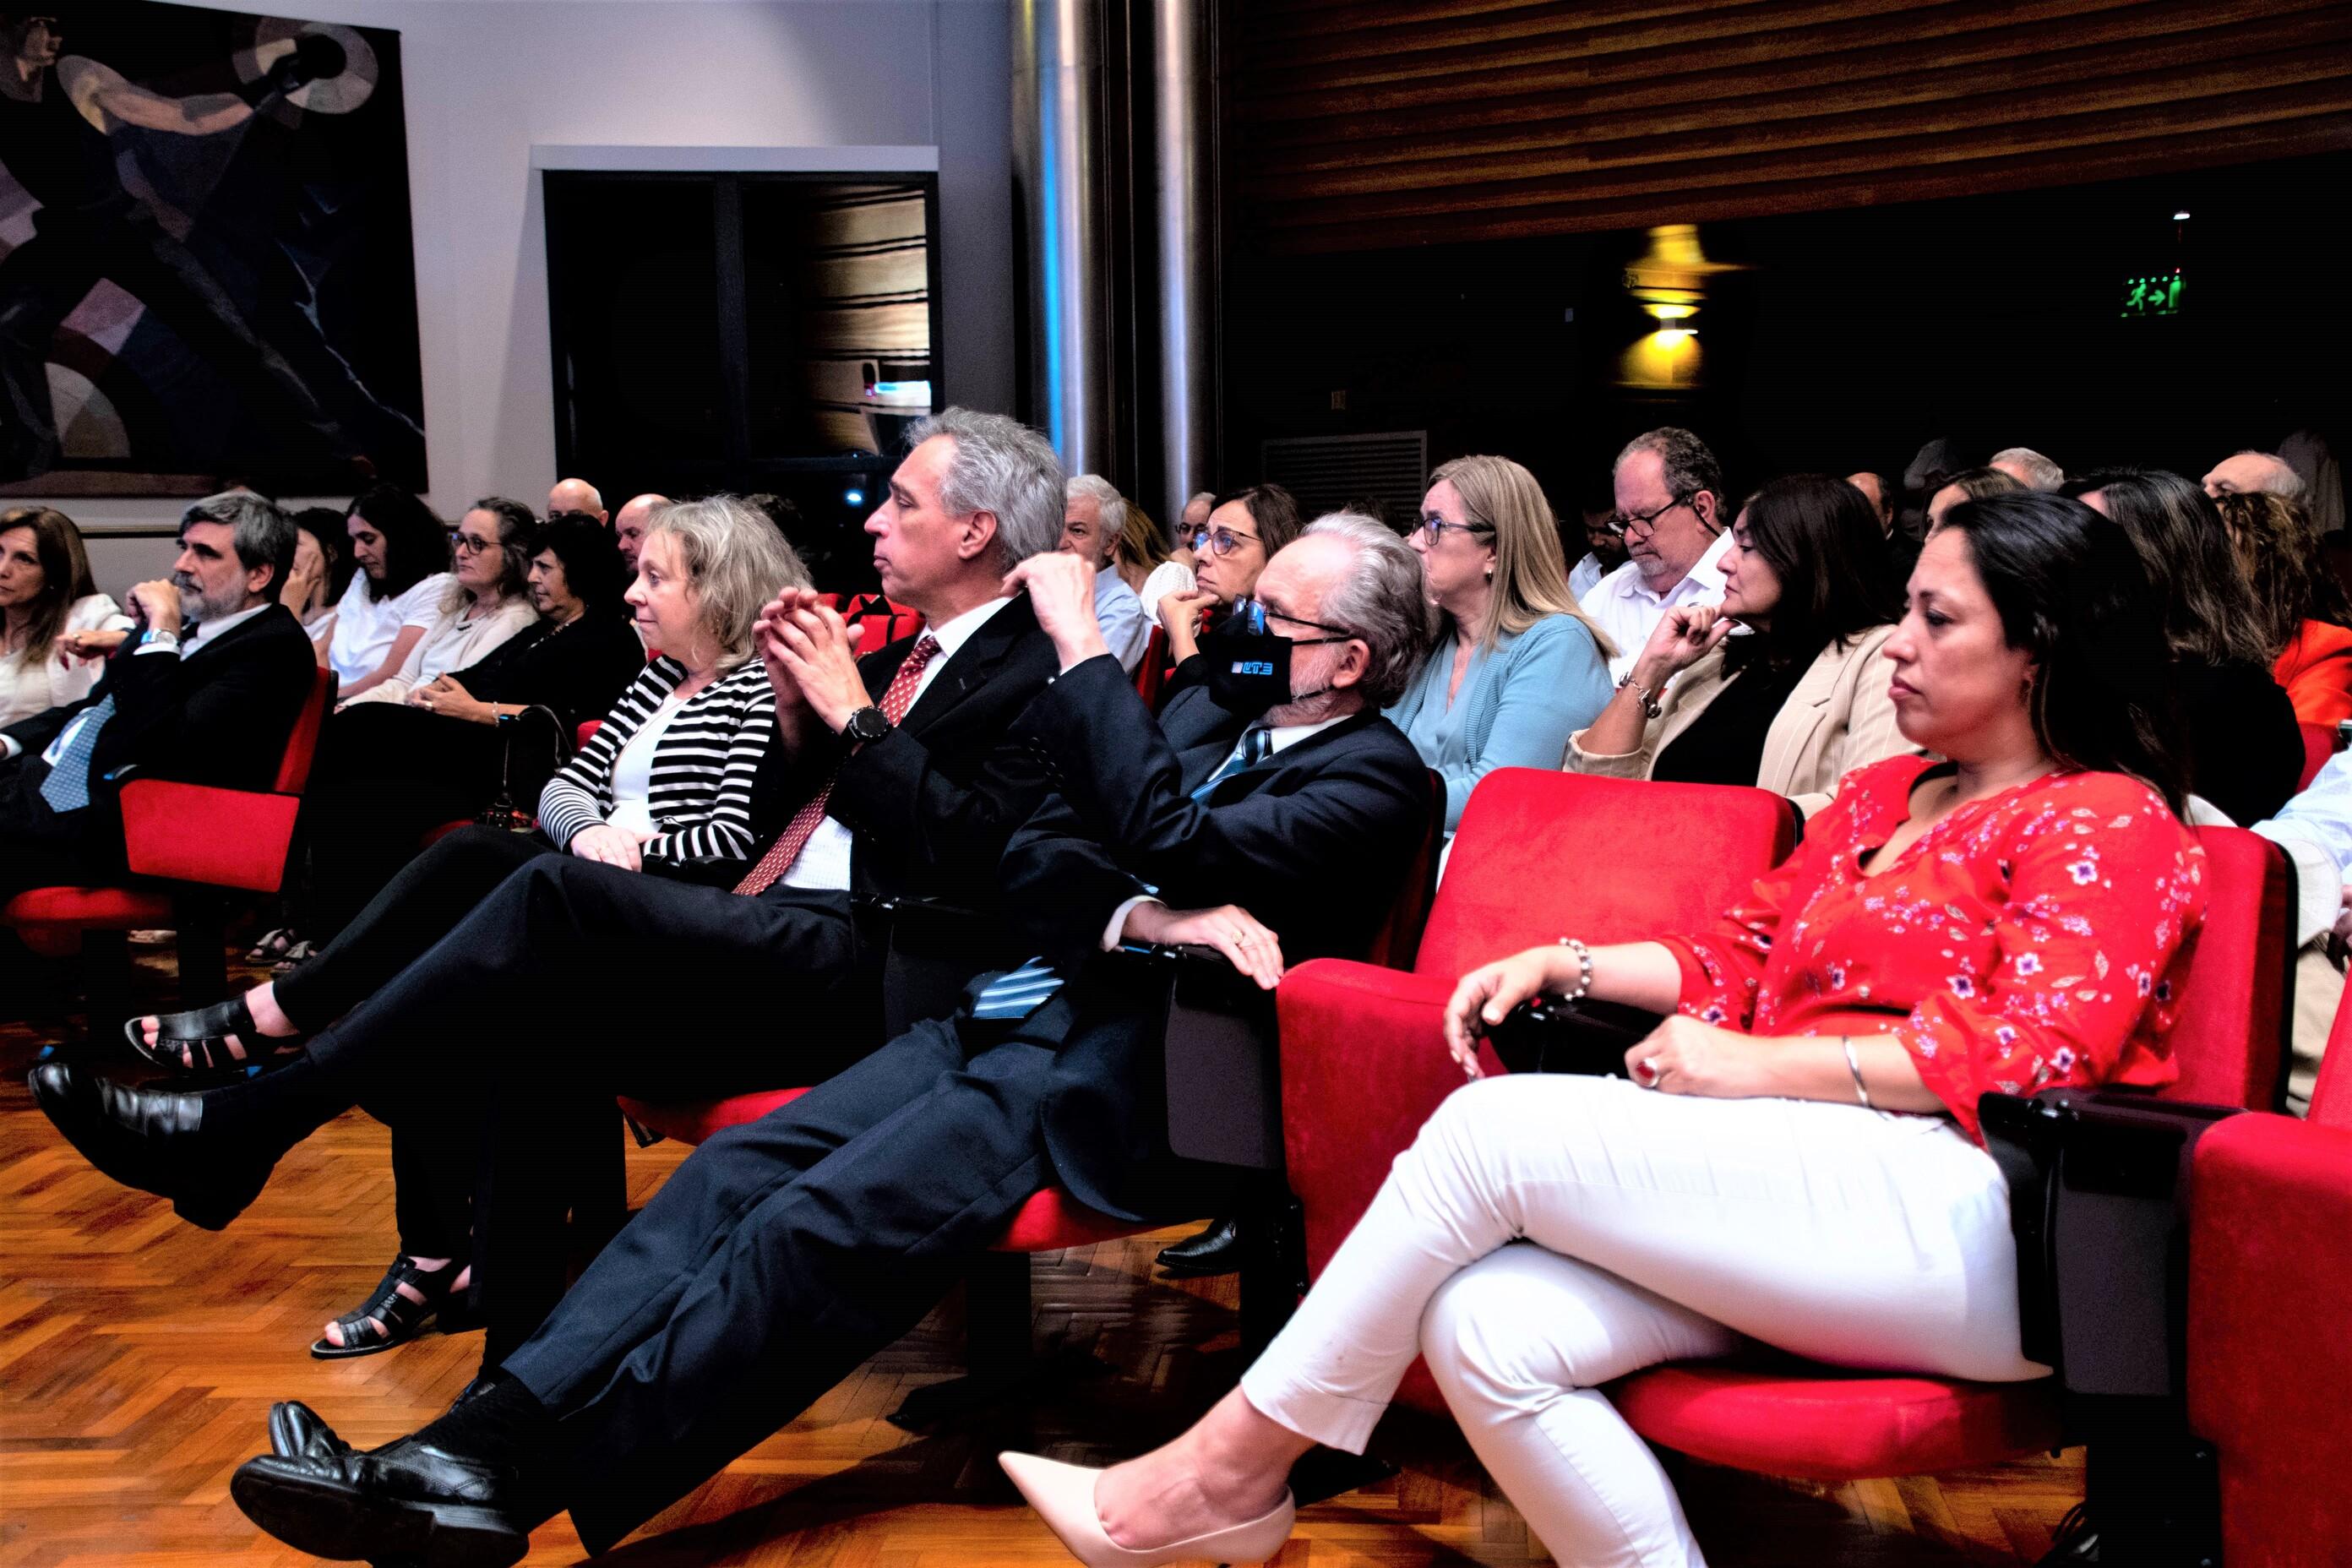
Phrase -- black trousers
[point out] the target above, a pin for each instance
(496, 1054)
(782, 1254)
(42, 847)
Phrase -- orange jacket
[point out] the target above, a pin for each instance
(2317, 671)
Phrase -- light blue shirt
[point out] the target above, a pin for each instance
(1519, 702)
(1125, 628)
(2315, 830)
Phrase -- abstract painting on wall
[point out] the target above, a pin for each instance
(206, 274)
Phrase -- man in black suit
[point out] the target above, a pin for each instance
(898, 776)
(206, 688)
(786, 1251)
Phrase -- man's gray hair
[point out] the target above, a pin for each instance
(2038, 471)
(1004, 467)
(1690, 464)
(264, 534)
(736, 559)
(1106, 499)
(1380, 600)
(2282, 480)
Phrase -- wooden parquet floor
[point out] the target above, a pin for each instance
(138, 1357)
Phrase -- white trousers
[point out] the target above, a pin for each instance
(1546, 1233)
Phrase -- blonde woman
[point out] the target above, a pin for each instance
(1140, 552)
(1517, 667)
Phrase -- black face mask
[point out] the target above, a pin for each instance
(1249, 667)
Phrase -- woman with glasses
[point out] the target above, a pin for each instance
(485, 604)
(1244, 530)
(1800, 698)
(1517, 667)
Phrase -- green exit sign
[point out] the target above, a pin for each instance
(2158, 294)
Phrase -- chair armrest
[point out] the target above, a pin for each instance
(1364, 1063)
(2269, 1362)
(201, 833)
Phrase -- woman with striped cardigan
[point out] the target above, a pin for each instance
(663, 787)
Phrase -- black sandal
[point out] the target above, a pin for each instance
(198, 1040)
(402, 1319)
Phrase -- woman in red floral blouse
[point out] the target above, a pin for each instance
(1795, 1158)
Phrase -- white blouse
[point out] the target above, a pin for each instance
(452, 642)
(366, 628)
(27, 687)
(1167, 577)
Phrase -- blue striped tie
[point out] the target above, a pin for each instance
(68, 786)
(1023, 991)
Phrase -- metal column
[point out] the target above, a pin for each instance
(1058, 162)
(1184, 143)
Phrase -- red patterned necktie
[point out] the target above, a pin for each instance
(896, 699)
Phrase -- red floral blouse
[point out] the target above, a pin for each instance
(2029, 939)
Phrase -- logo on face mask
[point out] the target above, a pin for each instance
(1249, 667)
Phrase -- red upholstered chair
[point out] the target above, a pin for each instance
(1151, 674)
(874, 621)
(2270, 1362)
(2318, 745)
(1538, 855)
(194, 840)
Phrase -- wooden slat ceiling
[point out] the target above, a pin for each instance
(1360, 126)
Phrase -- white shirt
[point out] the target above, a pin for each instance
(1586, 574)
(2315, 828)
(455, 639)
(822, 864)
(1622, 605)
(1282, 737)
(1125, 628)
(366, 628)
(1167, 577)
(29, 686)
(632, 769)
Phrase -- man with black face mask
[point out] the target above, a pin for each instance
(786, 1251)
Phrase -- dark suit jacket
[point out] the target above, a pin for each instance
(932, 803)
(1314, 842)
(219, 716)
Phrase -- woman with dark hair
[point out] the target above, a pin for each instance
(322, 566)
(1246, 529)
(2245, 754)
(2301, 614)
(48, 605)
(402, 552)
(486, 604)
(1802, 698)
(1794, 1158)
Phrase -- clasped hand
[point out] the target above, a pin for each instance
(446, 695)
(1248, 942)
(810, 661)
(610, 846)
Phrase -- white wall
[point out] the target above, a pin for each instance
(487, 81)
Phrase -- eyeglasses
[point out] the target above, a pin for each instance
(1618, 523)
(1436, 528)
(1251, 615)
(467, 545)
(1221, 541)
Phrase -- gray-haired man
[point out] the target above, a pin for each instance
(206, 688)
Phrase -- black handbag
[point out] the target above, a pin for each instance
(1589, 1038)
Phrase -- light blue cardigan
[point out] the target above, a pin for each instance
(1521, 701)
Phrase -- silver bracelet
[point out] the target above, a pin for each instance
(1853, 1066)
(1584, 969)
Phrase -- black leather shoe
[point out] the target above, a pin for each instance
(1216, 1250)
(298, 1432)
(407, 1503)
(149, 1139)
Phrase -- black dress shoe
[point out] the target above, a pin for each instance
(150, 1139)
(407, 1503)
(298, 1432)
(1216, 1250)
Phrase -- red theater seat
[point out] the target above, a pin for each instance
(2318, 745)
(194, 840)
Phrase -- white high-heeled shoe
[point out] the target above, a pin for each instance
(1064, 1497)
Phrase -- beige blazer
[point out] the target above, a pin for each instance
(1838, 718)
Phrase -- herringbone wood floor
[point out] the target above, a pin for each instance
(138, 1355)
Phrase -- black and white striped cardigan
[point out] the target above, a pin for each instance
(700, 789)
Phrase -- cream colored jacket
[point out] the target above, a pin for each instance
(1838, 718)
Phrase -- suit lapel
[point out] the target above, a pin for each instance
(972, 666)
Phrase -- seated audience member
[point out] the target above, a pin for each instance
(2028, 467)
(575, 495)
(1946, 492)
(2244, 753)
(1801, 701)
(322, 566)
(1879, 494)
(785, 1252)
(1596, 549)
(2315, 828)
(386, 774)
(1669, 493)
(2300, 609)
(403, 555)
(1188, 528)
(206, 690)
(1517, 668)
(2245, 472)
(46, 597)
(897, 777)
(1247, 529)
(1548, 1232)
(1141, 554)
(629, 524)
(1092, 519)
(487, 600)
